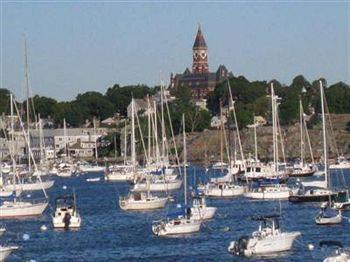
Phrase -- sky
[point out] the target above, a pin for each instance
(74, 47)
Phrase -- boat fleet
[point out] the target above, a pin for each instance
(162, 173)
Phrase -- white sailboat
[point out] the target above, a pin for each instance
(142, 201)
(180, 223)
(273, 191)
(317, 194)
(303, 169)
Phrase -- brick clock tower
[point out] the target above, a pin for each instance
(200, 54)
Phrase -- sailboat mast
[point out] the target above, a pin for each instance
(163, 125)
(255, 141)
(27, 100)
(96, 153)
(273, 126)
(133, 150)
(301, 134)
(324, 135)
(65, 137)
(221, 138)
(125, 143)
(149, 128)
(185, 158)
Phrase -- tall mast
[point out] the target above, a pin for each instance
(163, 125)
(185, 158)
(125, 143)
(149, 128)
(133, 150)
(156, 131)
(65, 137)
(324, 135)
(255, 141)
(221, 138)
(27, 100)
(12, 136)
(96, 153)
(301, 134)
(273, 126)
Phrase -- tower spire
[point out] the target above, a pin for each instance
(200, 53)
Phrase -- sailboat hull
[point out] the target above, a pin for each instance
(143, 204)
(311, 198)
(21, 209)
(6, 251)
(31, 186)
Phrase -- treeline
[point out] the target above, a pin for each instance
(251, 99)
(86, 106)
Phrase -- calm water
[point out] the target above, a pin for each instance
(108, 233)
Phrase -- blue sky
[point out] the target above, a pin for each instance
(82, 46)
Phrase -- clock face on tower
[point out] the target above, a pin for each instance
(195, 55)
(203, 54)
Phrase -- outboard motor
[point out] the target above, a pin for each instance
(66, 221)
(241, 245)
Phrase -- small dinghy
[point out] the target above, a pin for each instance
(268, 239)
(66, 215)
(327, 217)
(94, 179)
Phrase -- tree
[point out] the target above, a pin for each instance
(4, 100)
(95, 104)
(44, 106)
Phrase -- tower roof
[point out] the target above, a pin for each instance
(199, 41)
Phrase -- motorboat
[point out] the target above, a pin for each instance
(341, 201)
(219, 165)
(328, 218)
(19, 208)
(142, 201)
(200, 210)
(5, 251)
(226, 189)
(271, 191)
(341, 163)
(268, 239)
(66, 215)
(339, 255)
(175, 224)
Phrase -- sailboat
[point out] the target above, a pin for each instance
(5, 251)
(17, 207)
(303, 169)
(181, 222)
(272, 190)
(323, 194)
(126, 173)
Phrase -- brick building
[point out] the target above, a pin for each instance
(199, 79)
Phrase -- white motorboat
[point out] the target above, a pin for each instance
(175, 226)
(5, 251)
(339, 255)
(30, 186)
(142, 201)
(17, 208)
(222, 189)
(341, 163)
(158, 185)
(200, 210)
(303, 171)
(268, 239)
(323, 218)
(273, 191)
(66, 215)
(219, 165)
